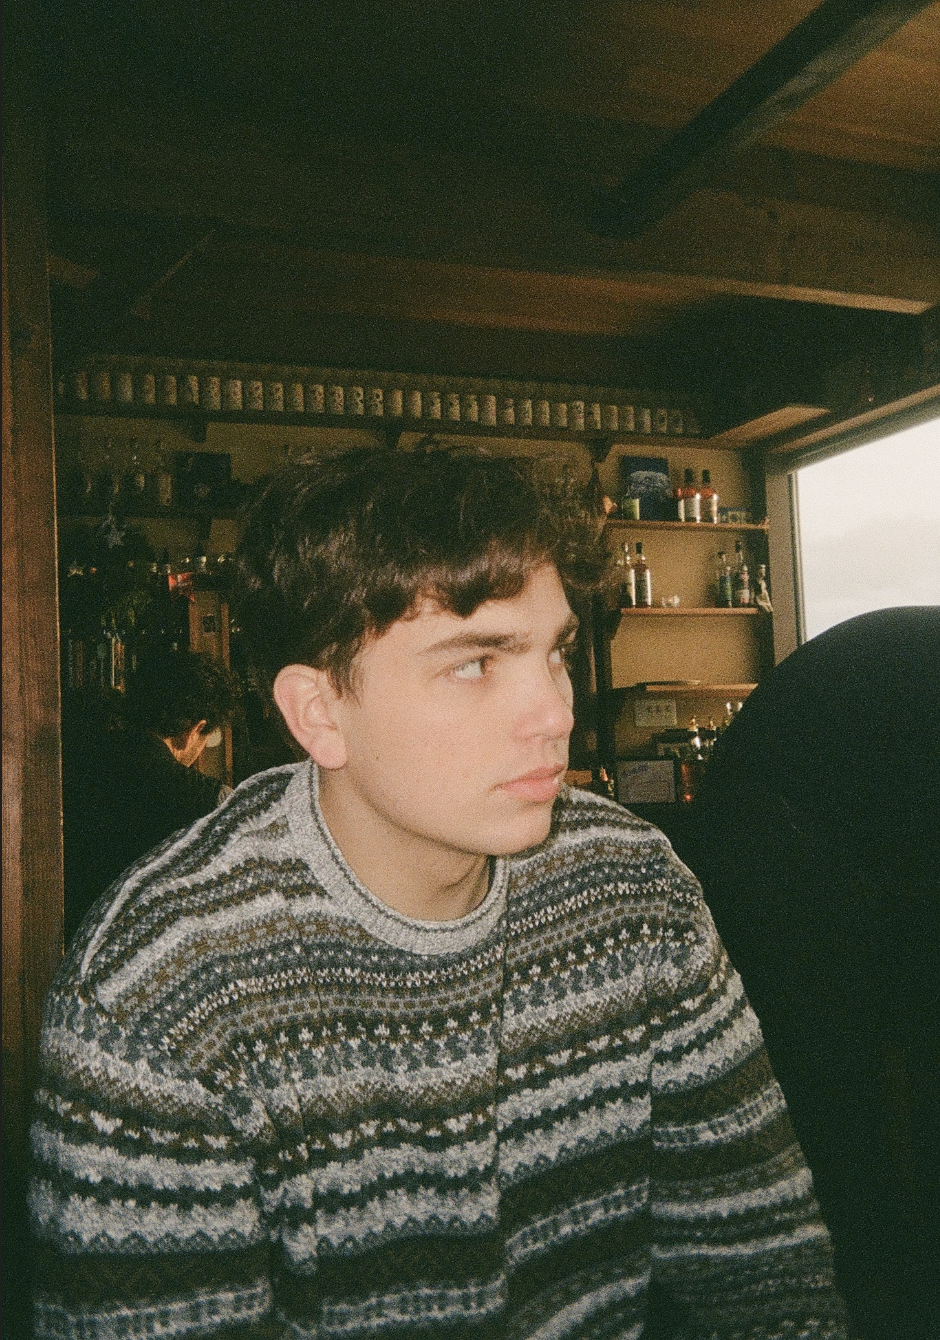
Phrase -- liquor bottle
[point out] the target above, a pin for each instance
(688, 499)
(762, 591)
(643, 578)
(626, 579)
(602, 784)
(108, 478)
(76, 607)
(723, 590)
(709, 503)
(740, 580)
(135, 481)
(162, 478)
(175, 605)
(691, 763)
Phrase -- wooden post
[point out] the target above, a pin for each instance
(32, 802)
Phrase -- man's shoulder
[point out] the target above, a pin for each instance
(592, 821)
(601, 865)
(224, 861)
(593, 838)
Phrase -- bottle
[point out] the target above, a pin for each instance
(602, 784)
(162, 478)
(691, 763)
(740, 580)
(709, 496)
(688, 499)
(135, 483)
(626, 580)
(762, 591)
(723, 593)
(109, 478)
(643, 578)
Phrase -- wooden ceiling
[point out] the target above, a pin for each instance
(424, 186)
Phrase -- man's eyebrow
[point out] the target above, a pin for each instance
(470, 641)
(568, 628)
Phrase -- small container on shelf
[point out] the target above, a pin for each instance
(625, 578)
(688, 499)
(709, 499)
(740, 579)
(643, 578)
(724, 596)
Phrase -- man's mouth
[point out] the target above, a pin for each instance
(540, 785)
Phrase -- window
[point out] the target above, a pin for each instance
(869, 528)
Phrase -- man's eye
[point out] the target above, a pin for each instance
(563, 655)
(470, 669)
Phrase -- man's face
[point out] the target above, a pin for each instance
(457, 734)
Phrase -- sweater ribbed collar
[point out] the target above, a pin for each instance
(353, 900)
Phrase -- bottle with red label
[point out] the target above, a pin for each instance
(688, 499)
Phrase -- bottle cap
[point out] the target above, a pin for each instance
(690, 476)
(706, 476)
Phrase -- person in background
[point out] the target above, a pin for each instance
(410, 1039)
(816, 837)
(129, 781)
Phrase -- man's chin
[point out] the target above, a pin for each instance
(530, 832)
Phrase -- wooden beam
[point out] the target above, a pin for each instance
(902, 413)
(817, 51)
(110, 298)
(767, 425)
(762, 240)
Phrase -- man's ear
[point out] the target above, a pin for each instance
(307, 701)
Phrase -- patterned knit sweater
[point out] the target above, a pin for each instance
(273, 1106)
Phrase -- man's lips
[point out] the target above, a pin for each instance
(539, 785)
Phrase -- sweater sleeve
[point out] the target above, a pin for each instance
(739, 1249)
(144, 1203)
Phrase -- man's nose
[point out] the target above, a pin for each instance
(546, 708)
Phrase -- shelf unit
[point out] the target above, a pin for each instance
(690, 690)
(677, 611)
(687, 527)
(696, 653)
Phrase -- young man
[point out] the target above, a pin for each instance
(412, 1040)
(130, 783)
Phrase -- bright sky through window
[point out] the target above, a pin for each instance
(870, 528)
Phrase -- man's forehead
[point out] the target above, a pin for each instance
(541, 599)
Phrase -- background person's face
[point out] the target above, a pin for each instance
(457, 736)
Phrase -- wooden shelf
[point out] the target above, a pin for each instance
(678, 611)
(196, 419)
(690, 690)
(173, 513)
(689, 527)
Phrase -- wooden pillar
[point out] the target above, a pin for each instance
(32, 804)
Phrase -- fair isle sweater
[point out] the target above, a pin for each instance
(273, 1106)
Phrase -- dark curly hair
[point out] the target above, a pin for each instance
(170, 691)
(337, 550)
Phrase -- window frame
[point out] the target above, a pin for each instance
(781, 465)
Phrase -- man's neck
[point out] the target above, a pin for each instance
(415, 878)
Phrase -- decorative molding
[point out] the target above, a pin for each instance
(388, 401)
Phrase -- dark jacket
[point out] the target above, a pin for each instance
(124, 792)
